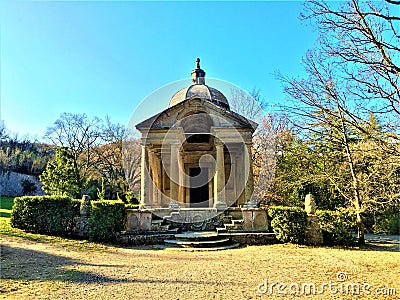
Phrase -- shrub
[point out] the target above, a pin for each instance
(337, 226)
(43, 214)
(387, 222)
(289, 223)
(131, 206)
(106, 220)
(28, 187)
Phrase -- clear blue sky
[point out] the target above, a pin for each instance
(103, 58)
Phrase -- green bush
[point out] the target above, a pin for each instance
(43, 214)
(106, 220)
(131, 206)
(289, 223)
(337, 226)
(387, 222)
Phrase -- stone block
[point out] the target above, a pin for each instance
(313, 234)
(255, 219)
(138, 220)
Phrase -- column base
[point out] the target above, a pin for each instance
(144, 206)
(250, 204)
(220, 206)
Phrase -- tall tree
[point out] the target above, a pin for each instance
(362, 39)
(352, 72)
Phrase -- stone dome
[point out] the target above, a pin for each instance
(199, 89)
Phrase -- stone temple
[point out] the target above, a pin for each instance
(197, 152)
(196, 168)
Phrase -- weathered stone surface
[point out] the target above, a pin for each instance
(313, 234)
(85, 207)
(310, 205)
(82, 226)
(144, 239)
(10, 184)
(255, 219)
(138, 220)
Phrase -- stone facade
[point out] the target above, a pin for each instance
(197, 152)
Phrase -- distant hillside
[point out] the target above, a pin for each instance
(24, 157)
(21, 162)
(14, 184)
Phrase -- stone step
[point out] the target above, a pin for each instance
(197, 235)
(173, 230)
(240, 221)
(198, 240)
(233, 226)
(221, 230)
(224, 247)
(197, 243)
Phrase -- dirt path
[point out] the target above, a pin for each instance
(32, 270)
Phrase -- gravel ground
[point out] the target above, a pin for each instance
(33, 270)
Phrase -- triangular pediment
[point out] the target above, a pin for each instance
(171, 116)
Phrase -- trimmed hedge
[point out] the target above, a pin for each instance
(43, 214)
(106, 220)
(337, 226)
(289, 223)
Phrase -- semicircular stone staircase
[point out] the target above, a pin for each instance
(198, 241)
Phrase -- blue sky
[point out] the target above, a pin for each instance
(103, 58)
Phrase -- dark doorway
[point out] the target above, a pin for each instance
(198, 187)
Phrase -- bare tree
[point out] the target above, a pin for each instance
(353, 72)
(79, 134)
(108, 158)
(362, 41)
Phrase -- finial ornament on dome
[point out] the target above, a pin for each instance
(198, 74)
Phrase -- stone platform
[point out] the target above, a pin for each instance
(194, 229)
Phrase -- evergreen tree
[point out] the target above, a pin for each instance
(59, 177)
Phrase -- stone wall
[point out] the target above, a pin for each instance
(10, 184)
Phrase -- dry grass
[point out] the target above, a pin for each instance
(36, 270)
(37, 266)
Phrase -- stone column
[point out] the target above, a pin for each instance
(156, 171)
(145, 179)
(219, 178)
(248, 167)
(174, 172)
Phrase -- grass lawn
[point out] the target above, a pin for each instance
(6, 230)
(6, 204)
(35, 266)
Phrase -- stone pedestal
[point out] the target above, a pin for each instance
(138, 220)
(82, 226)
(82, 222)
(313, 234)
(255, 219)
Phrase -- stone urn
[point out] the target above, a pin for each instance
(310, 205)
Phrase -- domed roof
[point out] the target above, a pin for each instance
(199, 89)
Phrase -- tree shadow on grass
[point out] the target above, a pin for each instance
(18, 264)
(23, 264)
